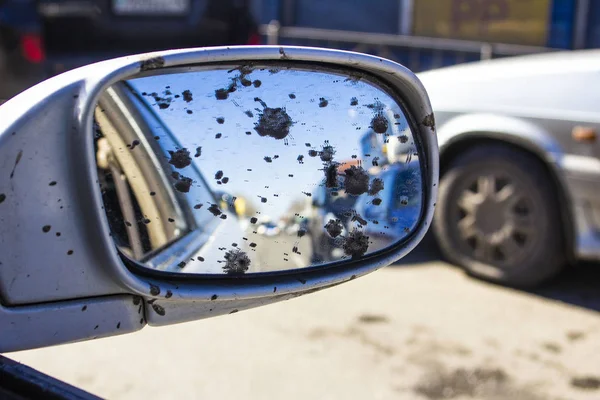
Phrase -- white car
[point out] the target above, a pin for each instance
(519, 164)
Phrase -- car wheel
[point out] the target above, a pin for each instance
(498, 216)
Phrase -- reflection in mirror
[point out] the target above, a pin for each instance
(237, 170)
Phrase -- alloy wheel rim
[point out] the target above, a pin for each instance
(495, 219)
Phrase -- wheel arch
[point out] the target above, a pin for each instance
(462, 133)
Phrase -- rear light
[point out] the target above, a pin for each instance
(32, 49)
(254, 39)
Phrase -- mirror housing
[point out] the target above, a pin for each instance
(62, 278)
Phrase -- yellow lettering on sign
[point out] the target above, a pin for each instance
(500, 21)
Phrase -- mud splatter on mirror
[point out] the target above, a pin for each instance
(238, 170)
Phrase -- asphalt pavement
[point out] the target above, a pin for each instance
(420, 329)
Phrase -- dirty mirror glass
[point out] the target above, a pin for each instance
(237, 170)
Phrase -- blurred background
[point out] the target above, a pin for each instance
(419, 329)
(40, 38)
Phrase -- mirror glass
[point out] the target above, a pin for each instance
(247, 169)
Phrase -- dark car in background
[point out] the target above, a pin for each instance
(42, 38)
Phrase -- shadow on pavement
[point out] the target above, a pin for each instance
(578, 286)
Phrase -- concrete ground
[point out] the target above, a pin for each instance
(417, 330)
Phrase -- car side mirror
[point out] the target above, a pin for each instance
(111, 191)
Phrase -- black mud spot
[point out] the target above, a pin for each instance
(283, 55)
(429, 121)
(180, 158)
(158, 309)
(327, 153)
(53, 183)
(331, 175)
(213, 297)
(249, 113)
(357, 218)
(268, 159)
(301, 232)
(215, 210)
(218, 136)
(300, 159)
(169, 294)
(403, 138)
(257, 83)
(46, 228)
(376, 186)
(182, 264)
(18, 158)
(163, 102)
(219, 174)
(183, 184)
(263, 199)
(323, 102)
(292, 96)
(376, 201)
(233, 311)
(354, 101)
(237, 262)
(221, 94)
(379, 123)
(134, 144)
(220, 120)
(273, 122)
(334, 227)
(187, 96)
(189, 111)
(154, 290)
(356, 180)
(152, 63)
(356, 244)
(253, 220)
(198, 151)
(586, 382)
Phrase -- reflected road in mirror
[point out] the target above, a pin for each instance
(237, 170)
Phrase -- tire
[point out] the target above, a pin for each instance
(498, 217)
